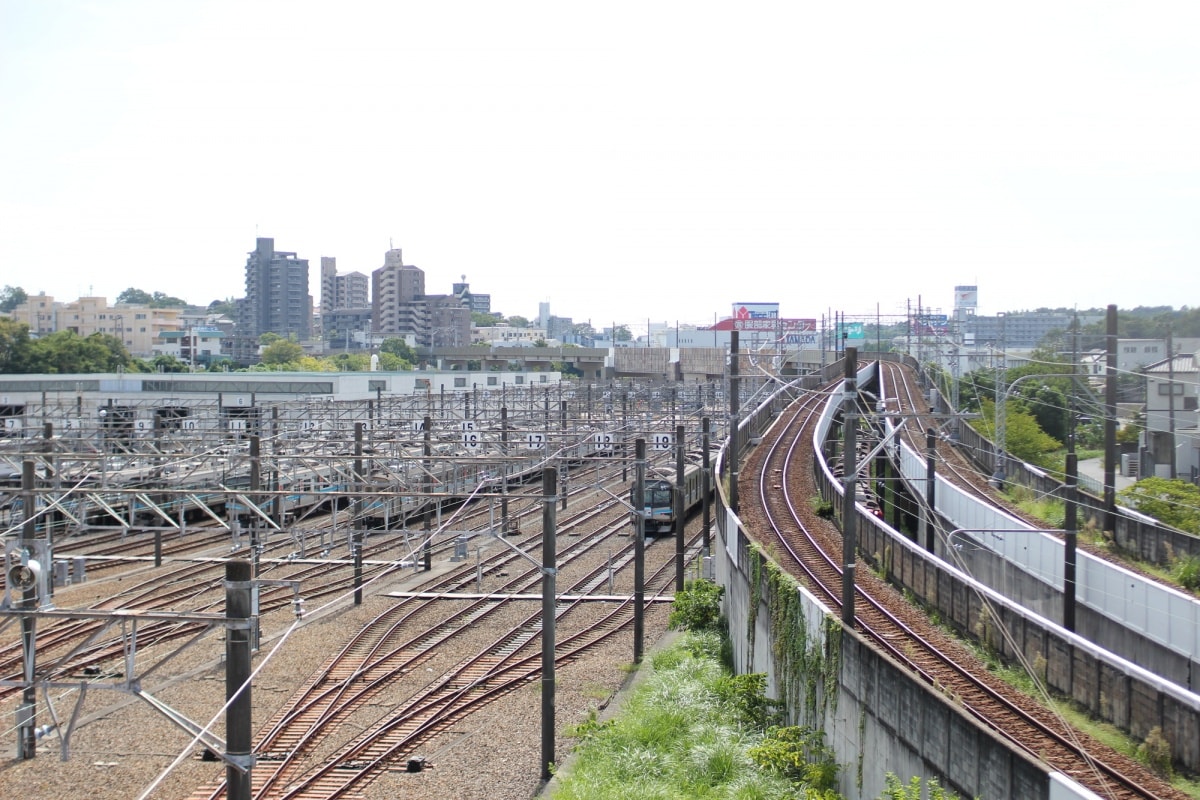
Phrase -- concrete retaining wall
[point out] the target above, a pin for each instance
(883, 718)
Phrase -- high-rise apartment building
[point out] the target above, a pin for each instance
(345, 304)
(342, 291)
(328, 283)
(277, 299)
(398, 298)
(479, 303)
(449, 322)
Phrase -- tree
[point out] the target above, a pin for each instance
(518, 321)
(226, 308)
(11, 297)
(138, 297)
(281, 351)
(312, 364)
(482, 319)
(161, 300)
(540, 342)
(132, 296)
(1173, 502)
(352, 362)
(399, 348)
(390, 362)
(15, 346)
(167, 363)
(1024, 440)
(64, 352)
(621, 333)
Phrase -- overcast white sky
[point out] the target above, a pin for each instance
(622, 161)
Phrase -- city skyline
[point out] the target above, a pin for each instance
(648, 162)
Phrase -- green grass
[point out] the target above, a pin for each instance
(1182, 572)
(1049, 510)
(1077, 718)
(676, 737)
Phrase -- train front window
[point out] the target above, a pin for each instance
(658, 496)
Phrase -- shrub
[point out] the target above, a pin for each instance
(800, 754)
(697, 607)
(912, 790)
(747, 695)
(1187, 573)
(1155, 752)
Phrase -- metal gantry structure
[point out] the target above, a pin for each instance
(162, 463)
(318, 471)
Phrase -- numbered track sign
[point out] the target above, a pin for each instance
(535, 441)
(662, 441)
(604, 442)
(470, 439)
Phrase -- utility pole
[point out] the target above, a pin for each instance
(849, 468)
(1071, 524)
(1110, 421)
(1171, 403)
(734, 412)
(930, 486)
(999, 473)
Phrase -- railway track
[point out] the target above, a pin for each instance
(811, 550)
(194, 587)
(386, 650)
(898, 392)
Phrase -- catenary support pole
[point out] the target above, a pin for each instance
(639, 547)
(549, 572)
(735, 411)
(504, 470)
(849, 468)
(237, 678)
(255, 487)
(930, 486)
(1110, 422)
(27, 713)
(680, 493)
(706, 482)
(427, 548)
(1071, 526)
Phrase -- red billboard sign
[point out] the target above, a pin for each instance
(785, 324)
